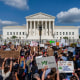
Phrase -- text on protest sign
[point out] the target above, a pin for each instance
(46, 61)
(65, 66)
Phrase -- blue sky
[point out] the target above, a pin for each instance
(13, 12)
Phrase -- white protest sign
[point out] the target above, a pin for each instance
(71, 49)
(62, 43)
(17, 43)
(46, 47)
(3, 43)
(46, 61)
(41, 45)
(62, 40)
(33, 43)
(66, 44)
(78, 45)
(65, 66)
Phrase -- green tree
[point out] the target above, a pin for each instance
(65, 37)
(14, 37)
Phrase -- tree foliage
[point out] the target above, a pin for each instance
(14, 37)
(65, 37)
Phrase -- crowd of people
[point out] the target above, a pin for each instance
(25, 68)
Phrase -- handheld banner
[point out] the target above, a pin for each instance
(57, 43)
(65, 66)
(46, 61)
(33, 43)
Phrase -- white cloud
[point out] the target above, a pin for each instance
(7, 22)
(23, 24)
(70, 16)
(21, 4)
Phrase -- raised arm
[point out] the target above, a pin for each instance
(16, 76)
(57, 75)
(11, 64)
(32, 57)
(24, 64)
(4, 63)
(43, 75)
(77, 76)
(18, 59)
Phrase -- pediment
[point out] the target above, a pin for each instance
(40, 16)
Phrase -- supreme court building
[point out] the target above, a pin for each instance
(49, 30)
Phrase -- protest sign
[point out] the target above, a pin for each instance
(17, 43)
(46, 61)
(33, 43)
(3, 43)
(60, 45)
(62, 40)
(57, 43)
(78, 45)
(8, 54)
(71, 49)
(66, 44)
(53, 44)
(41, 45)
(46, 47)
(65, 66)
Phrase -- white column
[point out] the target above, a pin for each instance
(53, 27)
(49, 27)
(42, 27)
(37, 28)
(34, 29)
(27, 26)
(42, 24)
(46, 27)
(31, 27)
